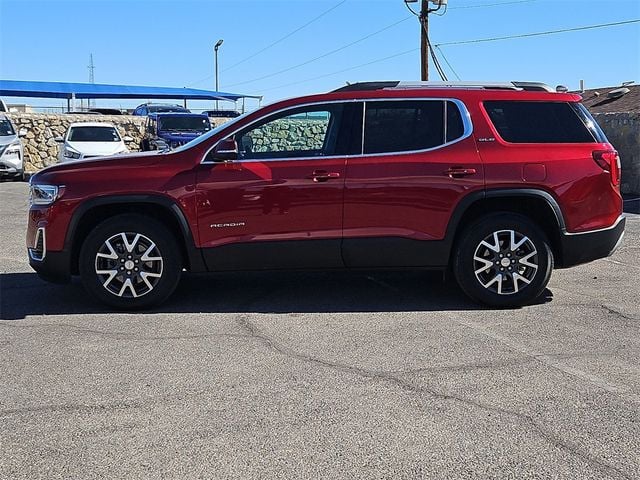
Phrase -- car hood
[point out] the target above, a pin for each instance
(7, 139)
(112, 162)
(97, 148)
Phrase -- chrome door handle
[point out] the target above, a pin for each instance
(458, 172)
(323, 175)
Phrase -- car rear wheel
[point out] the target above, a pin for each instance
(503, 260)
(130, 262)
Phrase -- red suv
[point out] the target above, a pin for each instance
(497, 182)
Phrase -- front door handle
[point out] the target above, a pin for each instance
(323, 175)
(459, 172)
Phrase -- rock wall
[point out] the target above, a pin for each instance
(623, 131)
(40, 147)
(287, 135)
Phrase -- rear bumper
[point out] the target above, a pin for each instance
(585, 247)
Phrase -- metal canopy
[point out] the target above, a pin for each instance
(17, 88)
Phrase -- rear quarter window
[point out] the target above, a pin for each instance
(538, 122)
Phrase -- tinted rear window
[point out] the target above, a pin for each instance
(538, 122)
(410, 125)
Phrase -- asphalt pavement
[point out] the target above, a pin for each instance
(319, 375)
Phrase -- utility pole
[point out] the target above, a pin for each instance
(425, 47)
(91, 68)
(424, 42)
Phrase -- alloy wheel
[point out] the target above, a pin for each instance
(129, 265)
(505, 262)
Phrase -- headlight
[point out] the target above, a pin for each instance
(12, 149)
(43, 194)
(68, 153)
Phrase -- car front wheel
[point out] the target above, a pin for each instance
(130, 262)
(503, 260)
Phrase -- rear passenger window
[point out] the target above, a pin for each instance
(537, 122)
(403, 126)
(410, 125)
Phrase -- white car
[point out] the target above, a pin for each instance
(84, 140)
(11, 151)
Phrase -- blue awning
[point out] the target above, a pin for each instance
(17, 88)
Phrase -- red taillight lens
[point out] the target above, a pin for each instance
(609, 161)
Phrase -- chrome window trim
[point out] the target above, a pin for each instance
(464, 114)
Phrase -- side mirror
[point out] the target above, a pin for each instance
(58, 140)
(225, 151)
(22, 132)
(127, 139)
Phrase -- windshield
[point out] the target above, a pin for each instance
(6, 128)
(93, 134)
(184, 124)
(165, 108)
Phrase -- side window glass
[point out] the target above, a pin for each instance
(538, 122)
(303, 132)
(455, 126)
(402, 126)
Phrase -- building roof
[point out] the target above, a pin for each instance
(603, 103)
(17, 88)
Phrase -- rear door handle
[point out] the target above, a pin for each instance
(323, 175)
(458, 172)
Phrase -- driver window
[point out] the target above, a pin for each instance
(305, 132)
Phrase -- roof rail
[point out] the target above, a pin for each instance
(529, 86)
(351, 87)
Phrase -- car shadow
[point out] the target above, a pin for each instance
(25, 294)
(632, 205)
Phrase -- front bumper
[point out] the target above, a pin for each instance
(7, 170)
(50, 266)
(54, 267)
(585, 247)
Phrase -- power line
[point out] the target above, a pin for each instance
(324, 55)
(286, 36)
(318, 77)
(274, 43)
(537, 34)
(482, 5)
(447, 62)
(406, 52)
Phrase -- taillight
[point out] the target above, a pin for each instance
(609, 161)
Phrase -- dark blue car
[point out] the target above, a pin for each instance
(170, 130)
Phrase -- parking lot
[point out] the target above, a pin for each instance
(319, 375)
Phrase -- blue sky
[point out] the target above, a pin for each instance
(170, 43)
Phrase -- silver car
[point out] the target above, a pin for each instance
(11, 151)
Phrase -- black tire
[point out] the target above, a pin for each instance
(147, 262)
(489, 271)
(144, 145)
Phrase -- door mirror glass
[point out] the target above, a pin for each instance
(22, 132)
(225, 151)
(127, 139)
(59, 139)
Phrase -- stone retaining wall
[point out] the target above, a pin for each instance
(623, 131)
(40, 147)
(289, 134)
